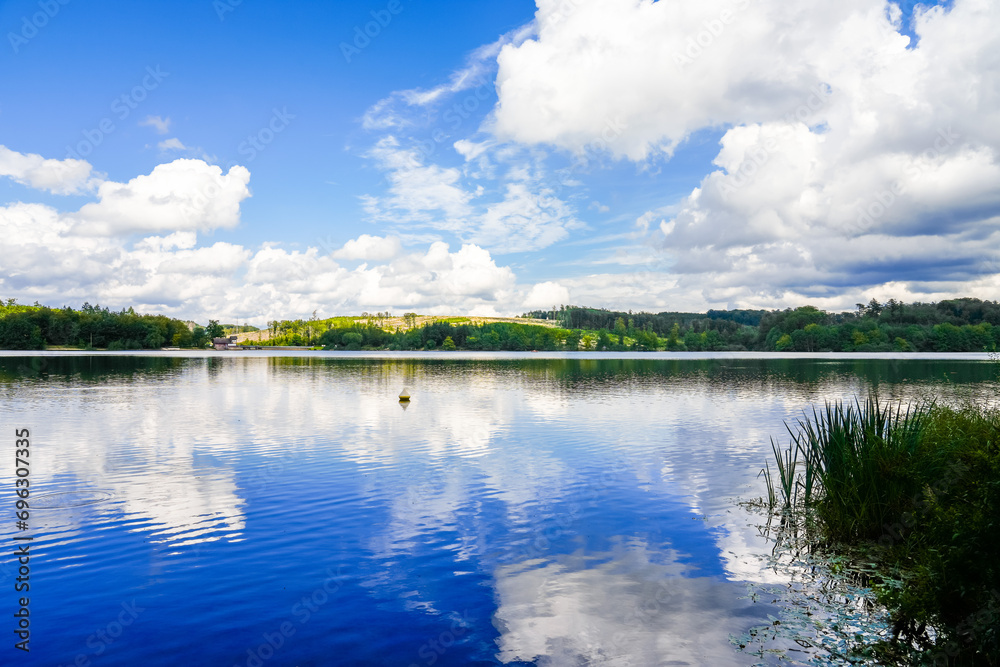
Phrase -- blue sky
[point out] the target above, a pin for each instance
(214, 159)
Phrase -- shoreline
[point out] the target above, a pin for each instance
(479, 354)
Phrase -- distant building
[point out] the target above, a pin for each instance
(224, 343)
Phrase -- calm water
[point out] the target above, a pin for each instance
(252, 509)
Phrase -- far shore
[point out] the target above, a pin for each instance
(501, 354)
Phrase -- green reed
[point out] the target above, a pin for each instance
(851, 462)
(917, 489)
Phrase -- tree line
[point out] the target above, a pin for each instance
(954, 325)
(957, 325)
(36, 327)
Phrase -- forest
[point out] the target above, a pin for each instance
(954, 325)
(92, 327)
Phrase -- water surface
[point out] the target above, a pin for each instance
(261, 508)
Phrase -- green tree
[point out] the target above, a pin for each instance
(673, 338)
(490, 340)
(17, 332)
(712, 341)
(214, 329)
(812, 331)
(903, 345)
(621, 329)
(448, 344)
(352, 340)
(199, 337)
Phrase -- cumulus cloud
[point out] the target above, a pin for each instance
(608, 74)
(61, 177)
(39, 256)
(367, 247)
(180, 195)
(638, 77)
(137, 244)
(44, 257)
(851, 157)
(546, 295)
(852, 161)
(459, 282)
(893, 178)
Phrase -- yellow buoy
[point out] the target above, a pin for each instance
(404, 395)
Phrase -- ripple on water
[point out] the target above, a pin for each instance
(68, 499)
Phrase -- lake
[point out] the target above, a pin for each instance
(261, 508)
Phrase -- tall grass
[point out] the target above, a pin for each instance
(856, 464)
(918, 489)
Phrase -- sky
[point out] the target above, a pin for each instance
(230, 159)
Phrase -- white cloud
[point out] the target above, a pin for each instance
(176, 146)
(848, 164)
(636, 77)
(527, 218)
(603, 74)
(180, 195)
(848, 154)
(469, 273)
(137, 245)
(161, 125)
(419, 192)
(172, 144)
(219, 259)
(871, 197)
(470, 150)
(525, 221)
(61, 177)
(43, 257)
(513, 212)
(460, 282)
(367, 247)
(395, 111)
(636, 605)
(40, 258)
(545, 295)
(182, 240)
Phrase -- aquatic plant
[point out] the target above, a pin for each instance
(916, 491)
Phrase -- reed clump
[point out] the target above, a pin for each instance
(915, 489)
